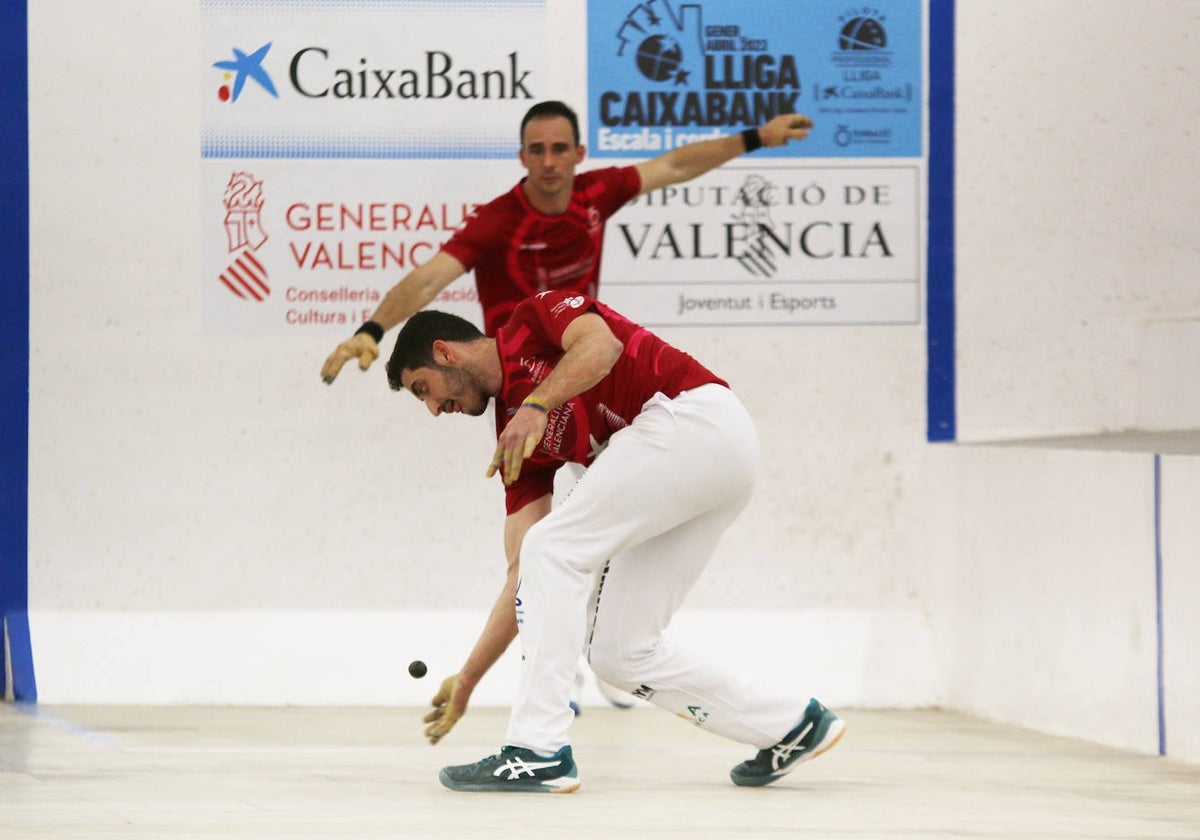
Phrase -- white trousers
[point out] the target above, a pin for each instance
(613, 562)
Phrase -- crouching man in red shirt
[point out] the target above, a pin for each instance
(671, 455)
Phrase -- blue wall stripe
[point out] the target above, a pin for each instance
(14, 346)
(941, 408)
(21, 650)
(1158, 597)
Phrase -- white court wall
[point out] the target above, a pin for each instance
(1076, 217)
(184, 484)
(1181, 592)
(1049, 614)
(208, 522)
(1078, 314)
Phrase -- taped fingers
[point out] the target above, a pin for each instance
(333, 365)
(446, 711)
(360, 346)
(508, 461)
(367, 350)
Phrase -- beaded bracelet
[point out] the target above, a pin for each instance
(535, 403)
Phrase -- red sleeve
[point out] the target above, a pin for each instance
(550, 313)
(621, 184)
(478, 236)
(462, 250)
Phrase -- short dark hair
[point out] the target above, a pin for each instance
(414, 344)
(551, 108)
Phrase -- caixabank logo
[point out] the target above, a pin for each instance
(244, 67)
(663, 74)
(367, 79)
(318, 72)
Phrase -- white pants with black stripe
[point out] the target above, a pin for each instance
(612, 563)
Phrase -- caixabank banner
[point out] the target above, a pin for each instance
(824, 231)
(664, 73)
(343, 141)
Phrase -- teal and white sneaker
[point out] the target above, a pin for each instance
(816, 733)
(516, 769)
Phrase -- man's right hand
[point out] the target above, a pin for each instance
(449, 704)
(358, 346)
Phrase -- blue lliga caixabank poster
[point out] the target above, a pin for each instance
(664, 73)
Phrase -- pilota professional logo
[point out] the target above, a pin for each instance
(242, 68)
(865, 88)
(862, 38)
(245, 276)
(863, 33)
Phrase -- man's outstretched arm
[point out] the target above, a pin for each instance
(452, 698)
(413, 293)
(693, 160)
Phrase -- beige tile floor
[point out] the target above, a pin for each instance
(184, 772)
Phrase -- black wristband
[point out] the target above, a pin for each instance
(372, 329)
(751, 139)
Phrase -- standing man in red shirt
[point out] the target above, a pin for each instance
(546, 232)
(672, 456)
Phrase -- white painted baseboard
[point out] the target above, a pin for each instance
(845, 657)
